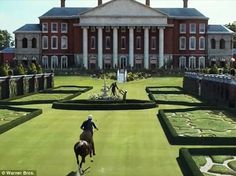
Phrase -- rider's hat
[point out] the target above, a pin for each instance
(90, 117)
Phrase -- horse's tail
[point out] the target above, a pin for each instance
(76, 152)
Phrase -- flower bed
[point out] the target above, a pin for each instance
(12, 116)
(208, 161)
(203, 125)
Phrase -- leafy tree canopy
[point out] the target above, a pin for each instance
(5, 39)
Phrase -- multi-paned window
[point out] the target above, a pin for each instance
(138, 29)
(202, 28)
(201, 62)
(93, 29)
(123, 29)
(45, 42)
(192, 28)
(108, 42)
(108, 29)
(192, 62)
(222, 44)
(154, 29)
(45, 61)
(182, 62)
(54, 42)
(213, 44)
(192, 43)
(182, 28)
(45, 27)
(64, 42)
(123, 42)
(182, 43)
(64, 27)
(153, 43)
(138, 43)
(64, 62)
(93, 42)
(54, 62)
(54, 27)
(202, 43)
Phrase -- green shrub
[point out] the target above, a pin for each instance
(32, 69)
(4, 70)
(214, 70)
(39, 68)
(20, 70)
(232, 72)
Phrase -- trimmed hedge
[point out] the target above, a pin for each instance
(175, 139)
(74, 92)
(7, 126)
(188, 165)
(104, 104)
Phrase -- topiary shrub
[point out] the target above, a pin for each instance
(214, 70)
(20, 70)
(32, 69)
(4, 70)
(39, 68)
(232, 72)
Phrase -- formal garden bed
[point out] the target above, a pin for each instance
(104, 104)
(199, 126)
(48, 96)
(208, 161)
(12, 116)
(172, 95)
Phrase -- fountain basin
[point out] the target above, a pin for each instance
(84, 104)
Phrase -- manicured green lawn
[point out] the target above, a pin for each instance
(7, 115)
(128, 143)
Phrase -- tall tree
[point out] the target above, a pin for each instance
(5, 39)
(233, 28)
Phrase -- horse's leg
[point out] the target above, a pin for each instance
(80, 167)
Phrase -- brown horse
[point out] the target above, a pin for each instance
(81, 148)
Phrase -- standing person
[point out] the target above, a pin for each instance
(113, 88)
(87, 135)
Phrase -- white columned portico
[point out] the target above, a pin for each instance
(100, 48)
(161, 46)
(115, 47)
(146, 47)
(85, 47)
(131, 47)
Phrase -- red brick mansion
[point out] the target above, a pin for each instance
(123, 34)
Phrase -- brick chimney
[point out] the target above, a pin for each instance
(185, 3)
(148, 3)
(63, 3)
(99, 2)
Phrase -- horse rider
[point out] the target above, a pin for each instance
(88, 126)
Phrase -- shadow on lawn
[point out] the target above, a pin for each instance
(72, 173)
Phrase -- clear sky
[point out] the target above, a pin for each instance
(16, 13)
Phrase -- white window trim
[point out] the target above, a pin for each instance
(138, 39)
(180, 43)
(66, 39)
(66, 61)
(190, 29)
(180, 27)
(202, 26)
(52, 61)
(123, 38)
(108, 38)
(52, 31)
(45, 61)
(199, 61)
(91, 46)
(194, 43)
(44, 38)
(202, 38)
(180, 61)
(54, 37)
(155, 43)
(62, 31)
(194, 62)
(44, 31)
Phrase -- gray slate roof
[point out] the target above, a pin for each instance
(66, 12)
(8, 50)
(29, 28)
(70, 12)
(182, 12)
(212, 29)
